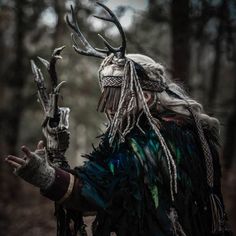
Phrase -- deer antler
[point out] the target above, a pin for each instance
(48, 101)
(39, 80)
(51, 66)
(119, 51)
(90, 50)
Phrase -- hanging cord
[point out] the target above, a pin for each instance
(205, 148)
(154, 124)
(131, 92)
(217, 209)
(216, 205)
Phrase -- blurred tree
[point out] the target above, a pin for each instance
(11, 104)
(180, 28)
(60, 27)
(191, 36)
(15, 26)
(222, 14)
(229, 148)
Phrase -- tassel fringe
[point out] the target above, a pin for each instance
(217, 212)
(131, 96)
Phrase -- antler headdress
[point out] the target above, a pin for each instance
(129, 82)
(135, 76)
(89, 50)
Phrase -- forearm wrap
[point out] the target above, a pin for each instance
(37, 171)
(62, 186)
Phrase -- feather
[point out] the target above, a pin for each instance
(178, 155)
(138, 151)
(112, 168)
(154, 192)
(134, 179)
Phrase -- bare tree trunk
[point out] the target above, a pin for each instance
(180, 25)
(229, 153)
(229, 163)
(214, 81)
(229, 174)
(11, 108)
(229, 180)
(60, 28)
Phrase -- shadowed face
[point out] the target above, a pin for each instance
(132, 77)
(111, 110)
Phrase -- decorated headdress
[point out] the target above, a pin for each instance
(123, 78)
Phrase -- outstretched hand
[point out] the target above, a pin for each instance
(17, 162)
(33, 167)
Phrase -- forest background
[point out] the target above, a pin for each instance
(193, 39)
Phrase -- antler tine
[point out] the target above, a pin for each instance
(52, 66)
(38, 75)
(57, 51)
(76, 46)
(103, 18)
(111, 49)
(103, 50)
(114, 19)
(89, 49)
(57, 89)
(44, 62)
(39, 80)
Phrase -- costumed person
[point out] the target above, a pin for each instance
(156, 170)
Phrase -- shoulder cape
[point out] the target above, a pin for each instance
(129, 184)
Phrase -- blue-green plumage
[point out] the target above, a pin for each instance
(129, 184)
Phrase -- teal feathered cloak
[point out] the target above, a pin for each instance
(128, 184)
